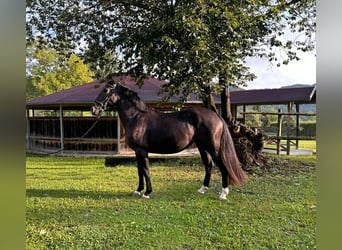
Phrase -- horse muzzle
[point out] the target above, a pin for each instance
(96, 110)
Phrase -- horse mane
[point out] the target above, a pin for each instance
(134, 98)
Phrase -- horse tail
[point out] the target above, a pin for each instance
(229, 158)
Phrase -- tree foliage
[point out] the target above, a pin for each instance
(31, 91)
(199, 46)
(105, 65)
(50, 71)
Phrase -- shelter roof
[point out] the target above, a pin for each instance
(299, 95)
(84, 95)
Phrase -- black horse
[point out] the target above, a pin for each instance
(148, 130)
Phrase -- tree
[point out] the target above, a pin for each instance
(31, 91)
(198, 46)
(104, 65)
(50, 71)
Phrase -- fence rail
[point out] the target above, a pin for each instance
(278, 137)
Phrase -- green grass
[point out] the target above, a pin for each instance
(308, 145)
(303, 144)
(77, 203)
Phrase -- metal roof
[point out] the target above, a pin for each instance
(84, 95)
(298, 95)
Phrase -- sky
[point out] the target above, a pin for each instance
(271, 76)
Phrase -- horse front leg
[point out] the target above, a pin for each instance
(143, 173)
(141, 180)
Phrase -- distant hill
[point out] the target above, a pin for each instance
(298, 86)
(233, 88)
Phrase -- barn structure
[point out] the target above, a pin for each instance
(292, 97)
(59, 123)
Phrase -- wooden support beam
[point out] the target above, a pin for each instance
(277, 113)
(297, 125)
(28, 134)
(288, 127)
(61, 127)
(118, 134)
(279, 123)
(244, 114)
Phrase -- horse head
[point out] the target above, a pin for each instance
(107, 97)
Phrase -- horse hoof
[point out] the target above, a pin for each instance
(224, 193)
(136, 193)
(145, 196)
(223, 197)
(202, 190)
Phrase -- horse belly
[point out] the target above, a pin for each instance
(169, 143)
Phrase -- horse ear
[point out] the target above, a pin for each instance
(111, 82)
(121, 83)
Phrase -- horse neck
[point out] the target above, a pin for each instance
(127, 110)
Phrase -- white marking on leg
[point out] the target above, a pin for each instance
(136, 193)
(203, 189)
(224, 193)
(145, 196)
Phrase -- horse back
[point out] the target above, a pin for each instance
(172, 132)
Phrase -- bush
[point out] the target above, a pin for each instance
(307, 128)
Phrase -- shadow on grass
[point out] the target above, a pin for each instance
(100, 195)
(73, 193)
(182, 191)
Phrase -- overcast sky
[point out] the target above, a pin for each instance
(271, 76)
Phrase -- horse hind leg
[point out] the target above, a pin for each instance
(224, 193)
(208, 164)
(225, 180)
(224, 174)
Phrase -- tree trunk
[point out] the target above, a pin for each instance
(209, 102)
(225, 105)
(247, 141)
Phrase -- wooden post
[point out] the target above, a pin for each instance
(297, 126)
(234, 111)
(28, 136)
(61, 127)
(288, 142)
(118, 134)
(279, 131)
(244, 115)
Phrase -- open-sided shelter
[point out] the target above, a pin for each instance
(292, 97)
(57, 123)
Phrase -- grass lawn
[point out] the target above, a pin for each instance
(303, 144)
(308, 145)
(78, 203)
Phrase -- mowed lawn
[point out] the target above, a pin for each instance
(78, 203)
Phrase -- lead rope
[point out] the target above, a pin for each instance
(79, 139)
(98, 118)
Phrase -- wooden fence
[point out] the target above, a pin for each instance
(50, 134)
(279, 135)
